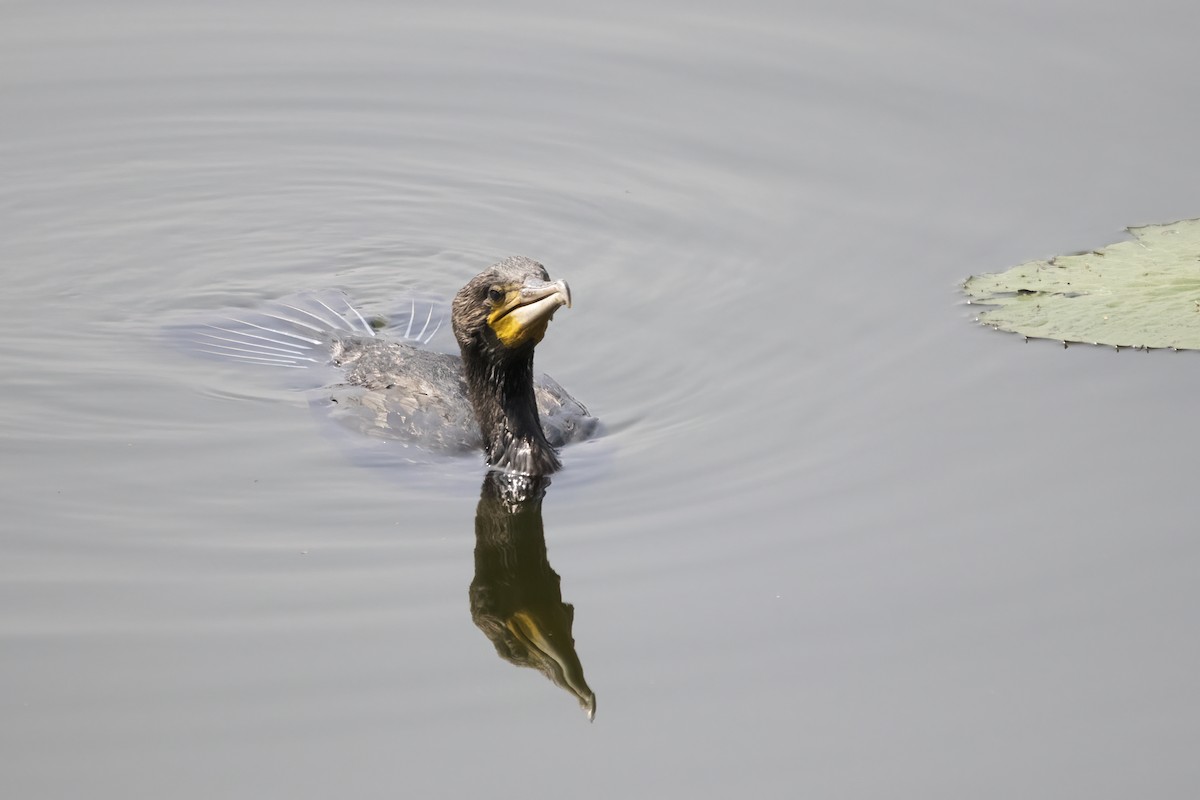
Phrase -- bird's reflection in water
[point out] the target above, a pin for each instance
(515, 597)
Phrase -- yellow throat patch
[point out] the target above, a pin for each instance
(512, 333)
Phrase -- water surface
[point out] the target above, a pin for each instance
(837, 541)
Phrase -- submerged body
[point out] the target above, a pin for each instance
(489, 398)
(421, 397)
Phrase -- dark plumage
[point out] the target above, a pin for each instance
(488, 398)
(499, 317)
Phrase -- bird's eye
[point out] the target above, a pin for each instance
(495, 295)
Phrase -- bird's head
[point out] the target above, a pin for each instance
(502, 313)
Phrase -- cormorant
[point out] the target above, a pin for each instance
(489, 398)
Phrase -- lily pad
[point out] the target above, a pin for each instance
(1142, 293)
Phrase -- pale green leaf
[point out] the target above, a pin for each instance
(1144, 292)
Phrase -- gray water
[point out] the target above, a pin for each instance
(838, 541)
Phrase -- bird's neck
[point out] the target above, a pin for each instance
(506, 409)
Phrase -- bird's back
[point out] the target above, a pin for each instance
(399, 391)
